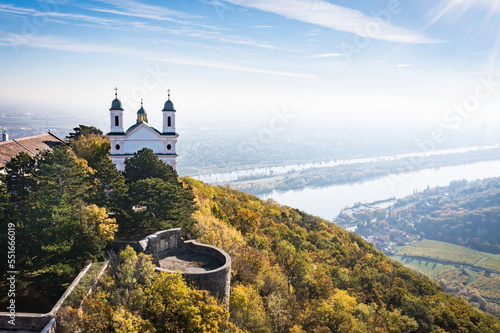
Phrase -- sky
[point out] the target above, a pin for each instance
(374, 62)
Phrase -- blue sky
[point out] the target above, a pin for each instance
(382, 61)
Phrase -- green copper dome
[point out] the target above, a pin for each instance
(141, 110)
(116, 105)
(169, 106)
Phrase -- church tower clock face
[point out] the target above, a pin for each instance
(142, 134)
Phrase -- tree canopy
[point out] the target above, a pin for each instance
(157, 199)
(83, 130)
(132, 297)
(293, 272)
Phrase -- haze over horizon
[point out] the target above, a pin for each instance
(372, 62)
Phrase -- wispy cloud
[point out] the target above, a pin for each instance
(131, 7)
(70, 45)
(327, 55)
(184, 29)
(403, 65)
(336, 17)
(135, 9)
(5, 8)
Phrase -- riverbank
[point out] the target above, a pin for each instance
(328, 202)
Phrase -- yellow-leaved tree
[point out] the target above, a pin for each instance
(97, 227)
(132, 297)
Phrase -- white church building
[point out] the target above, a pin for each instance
(142, 135)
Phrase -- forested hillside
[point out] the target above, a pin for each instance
(463, 213)
(299, 273)
(291, 272)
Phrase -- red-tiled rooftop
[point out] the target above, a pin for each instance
(31, 145)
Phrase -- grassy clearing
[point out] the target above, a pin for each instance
(490, 263)
(83, 286)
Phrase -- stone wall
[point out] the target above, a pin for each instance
(154, 243)
(161, 241)
(216, 281)
(37, 322)
(29, 322)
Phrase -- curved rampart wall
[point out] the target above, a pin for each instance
(216, 281)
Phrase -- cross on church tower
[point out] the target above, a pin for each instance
(116, 92)
(168, 90)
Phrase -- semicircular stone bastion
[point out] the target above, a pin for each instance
(203, 266)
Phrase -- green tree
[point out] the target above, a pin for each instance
(162, 204)
(59, 230)
(5, 203)
(19, 179)
(157, 199)
(145, 164)
(108, 187)
(83, 130)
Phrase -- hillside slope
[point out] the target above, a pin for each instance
(293, 272)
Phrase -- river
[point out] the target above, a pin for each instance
(327, 202)
(226, 177)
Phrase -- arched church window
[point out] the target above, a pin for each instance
(117, 121)
(117, 147)
(169, 120)
(169, 147)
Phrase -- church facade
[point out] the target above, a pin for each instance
(142, 135)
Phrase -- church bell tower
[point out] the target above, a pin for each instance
(116, 115)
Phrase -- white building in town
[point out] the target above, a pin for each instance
(142, 135)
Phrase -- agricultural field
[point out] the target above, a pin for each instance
(428, 267)
(450, 253)
(447, 264)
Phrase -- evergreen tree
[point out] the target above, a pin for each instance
(164, 205)
(83, 130)
(19, 179)
(158, 200)
(145, 164)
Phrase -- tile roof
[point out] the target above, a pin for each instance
(31, 145)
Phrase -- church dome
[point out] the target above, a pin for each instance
(116, 105)
(141, 114)
(169, 106)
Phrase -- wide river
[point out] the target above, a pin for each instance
(327, 202)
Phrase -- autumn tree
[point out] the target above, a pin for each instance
(108, 184)
(132, 297)
(247, 309)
